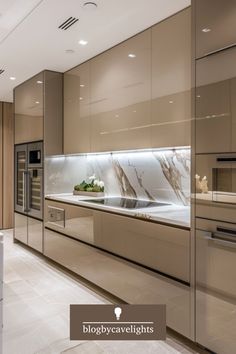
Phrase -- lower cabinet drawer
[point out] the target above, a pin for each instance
(132, 283)
(160, 247)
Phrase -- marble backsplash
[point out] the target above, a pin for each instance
(162, 175)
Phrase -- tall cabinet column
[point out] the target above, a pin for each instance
(6, 165)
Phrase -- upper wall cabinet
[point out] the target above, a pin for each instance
(133, 96)
(171, 81)
(38, 111)
(28, 102)
(215, 103)
(77, 109)
(120, 96)
(215, 25)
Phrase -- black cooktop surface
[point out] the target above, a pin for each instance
(126, 203)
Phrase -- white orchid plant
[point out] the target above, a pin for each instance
(94, 185)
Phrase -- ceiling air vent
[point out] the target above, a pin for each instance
(1, 71)
(68, 23)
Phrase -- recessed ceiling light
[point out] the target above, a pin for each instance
(198, 96)
(117, 115)
(83, 42)
(39, 82)
(134, 111)
(171, 102)
(12, 78)
(82, 85)
(90, 6)
(205, 30)
(81, 98)
(69, 51)
(131, 55)
(37, 102)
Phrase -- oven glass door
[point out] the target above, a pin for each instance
(224, 185)
(35, 192)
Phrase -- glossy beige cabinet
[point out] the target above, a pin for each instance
(29, 231)
(149, 244)
(6, 165)
(20, 228)
(80, 223)
(215, 25)
(28, 102)
(215, 286)
(171, 81)
(215, 103)
(35, 234)
(77, 109)
(120, 96)
(133, 96)
(38, 111)
(129, 282)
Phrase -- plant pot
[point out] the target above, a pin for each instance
(89, 194)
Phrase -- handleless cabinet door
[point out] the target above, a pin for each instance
(171, 81)
(77, 109)
(1, 165)
(35, 234)
(28, 100)
(120, 96)
(215, 287)
(215, 25)
(20, 229)
(149, 244)
(215, 103)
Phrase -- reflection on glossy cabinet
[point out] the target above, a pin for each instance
(129, 282)
(215, 103)
(215, 25)
(77, 109)
(233, 112)
(147, 243)
(38, 111)
(35, 234)
(171, 81)
(20, 228)
(120, 96)
(28, 100)
(71, 220)
(213, 117)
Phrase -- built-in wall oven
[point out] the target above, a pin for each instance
(219, 203)
(29, 194)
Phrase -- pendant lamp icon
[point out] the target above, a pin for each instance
(117, 312)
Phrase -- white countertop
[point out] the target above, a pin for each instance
(216, 197)
(176, 215)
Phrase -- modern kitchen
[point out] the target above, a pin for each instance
(118, 178)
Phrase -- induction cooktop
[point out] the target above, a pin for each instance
(126, 203)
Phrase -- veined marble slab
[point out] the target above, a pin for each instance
(162, 175)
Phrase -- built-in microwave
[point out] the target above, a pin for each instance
(35, 155)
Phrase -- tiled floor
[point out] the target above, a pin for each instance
(36, 310)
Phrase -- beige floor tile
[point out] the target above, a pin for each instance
(37, 297)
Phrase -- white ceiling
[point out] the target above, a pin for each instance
(30, 40)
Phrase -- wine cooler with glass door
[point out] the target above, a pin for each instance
(29, 194)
